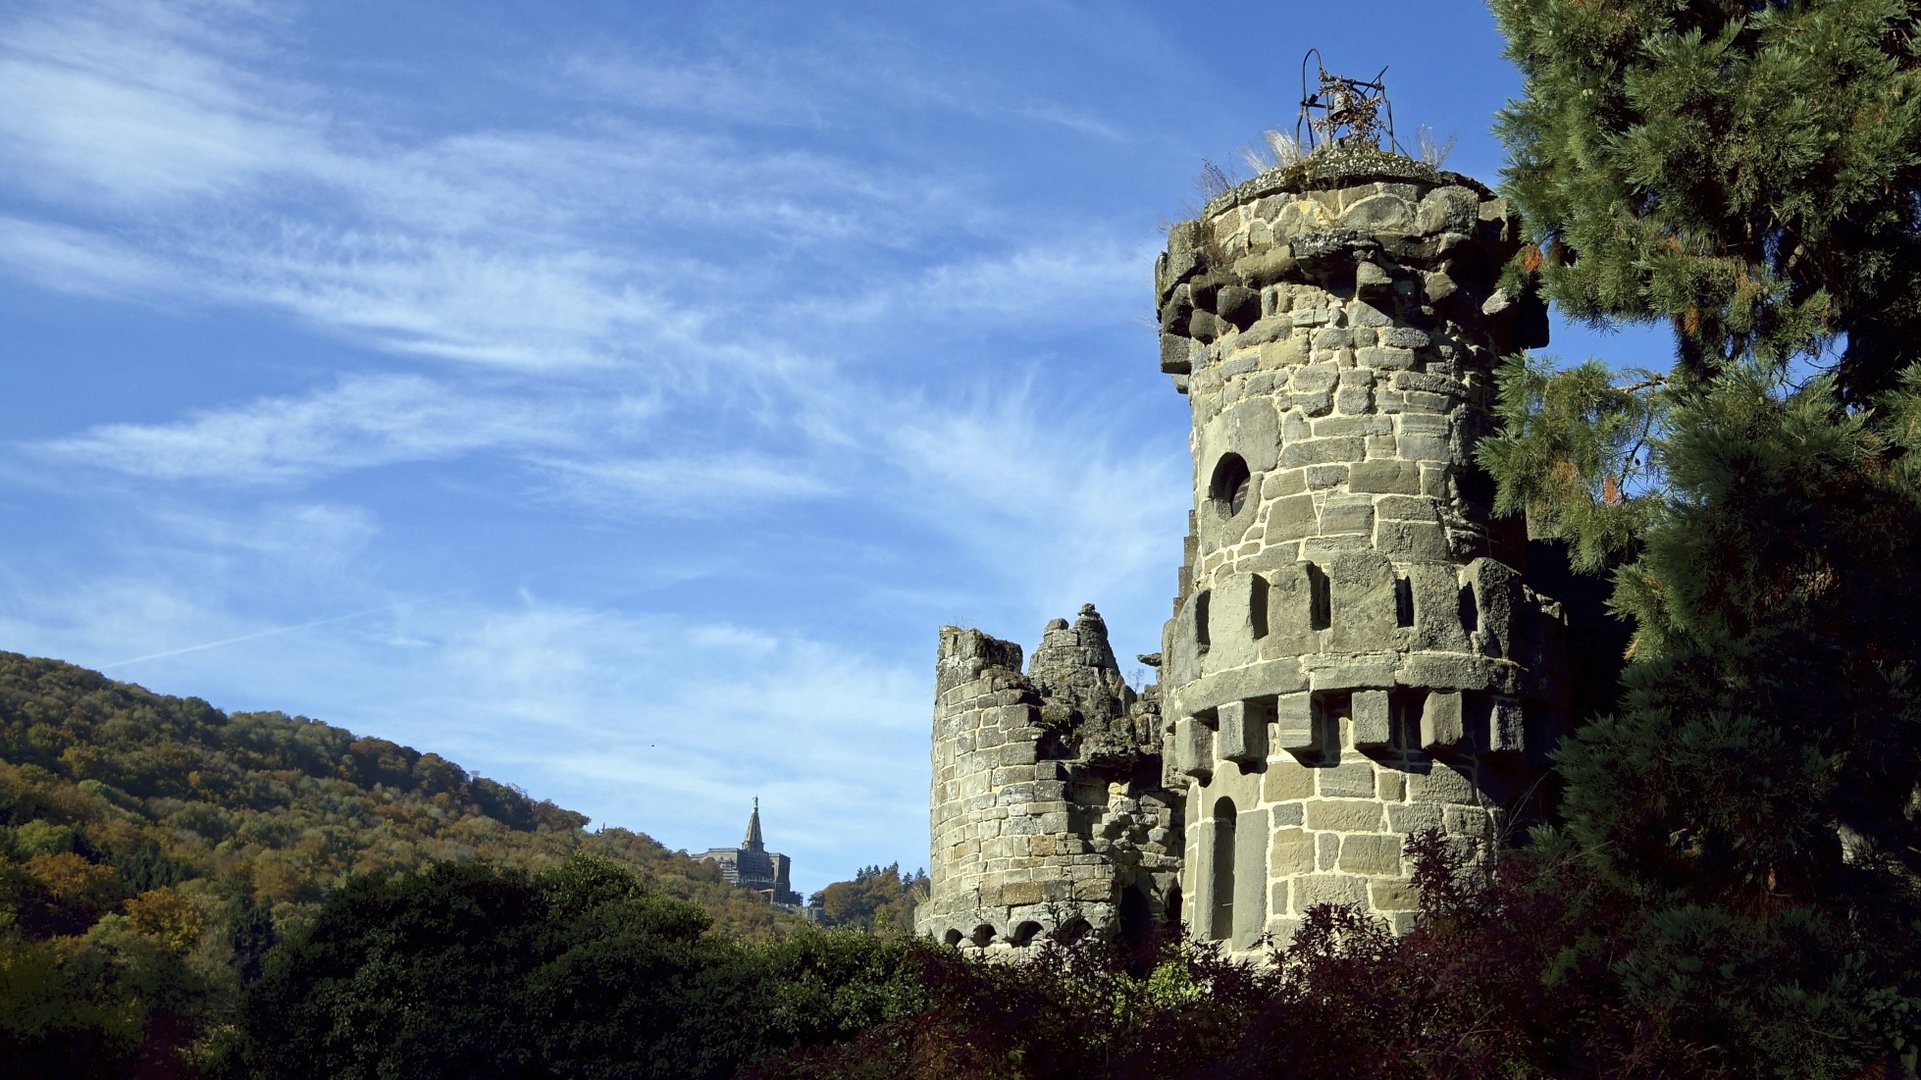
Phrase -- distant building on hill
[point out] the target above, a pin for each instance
(752, 867)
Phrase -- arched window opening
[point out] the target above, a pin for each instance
(1072, 930)
(1221, 872)
(1230, 486)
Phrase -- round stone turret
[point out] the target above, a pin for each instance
(1354, 653)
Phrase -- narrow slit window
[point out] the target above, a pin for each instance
(1257, 605)
(1200, 620)
(1320, 615)
(1470, 612)
(1403, 602)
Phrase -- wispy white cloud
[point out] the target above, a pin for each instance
(689, 485)
(362, 421)
(72, 259)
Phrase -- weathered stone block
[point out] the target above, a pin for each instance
(1322, 450)
(1291, 852)
(1353, 780)
(1390, 786)
(1281, 483)
(1361, 598)
(1357, 421)
(1373, 722)
(1497, 595)
(1393, 896)
(1409, 507)
(1321, 477)
(1193, 747)
(1385, 358)
(1345, 815)
(1444, 783)
(1411, 818)
(1452, 671)
(1350, 672)
(1287, 781)
(1375, 855)
(1250, 876)
(1327, 849)
(1441, 722)
(1294, 722)
(1328, 889)
(1411, 540)
(1243, 730)
(1423, 448)
(1177, 354)
(1347, 514)
(1384, 476)
(1292, 518)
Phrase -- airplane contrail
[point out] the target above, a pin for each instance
(258, 635)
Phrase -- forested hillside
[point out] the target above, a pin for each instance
(153, 848)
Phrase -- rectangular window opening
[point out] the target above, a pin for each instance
(1200, 620)
(1319, 613)
(1403, 602)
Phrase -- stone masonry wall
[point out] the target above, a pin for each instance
(1047, 811)
(1354, 652)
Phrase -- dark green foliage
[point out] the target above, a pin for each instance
(1749, 173)
(468, 970)
(1745, 170)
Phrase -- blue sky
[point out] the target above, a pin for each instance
(616, 398)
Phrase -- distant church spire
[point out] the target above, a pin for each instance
(754, 841)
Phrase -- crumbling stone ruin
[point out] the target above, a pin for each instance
(1048, 812)
(1354, 654)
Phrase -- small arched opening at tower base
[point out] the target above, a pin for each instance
(953, 938)
(1230, 484)
(1220, 870)
(1023, 933)
(1072, 930)
(982, 934)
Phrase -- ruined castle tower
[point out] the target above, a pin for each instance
(1049, 817)
(1354, 653)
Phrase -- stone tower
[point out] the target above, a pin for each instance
(1354, 654)
(1049, 815)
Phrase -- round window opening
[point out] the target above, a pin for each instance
(1229, 487)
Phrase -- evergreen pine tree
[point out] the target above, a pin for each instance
(1749, 173)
